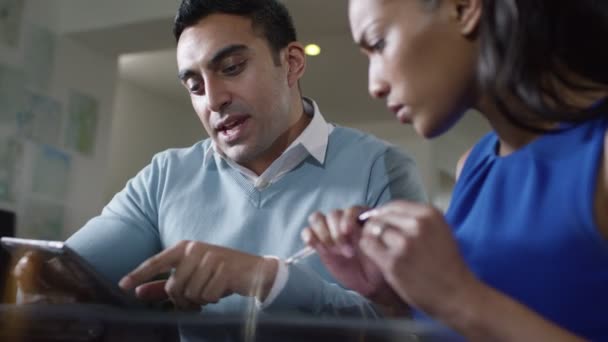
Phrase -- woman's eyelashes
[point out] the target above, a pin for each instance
(378, 45)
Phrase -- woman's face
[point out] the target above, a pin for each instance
(422, 58)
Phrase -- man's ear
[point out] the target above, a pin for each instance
(468, 14)
(296, 62)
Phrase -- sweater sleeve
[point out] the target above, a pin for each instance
(126, 232)
(393, 175)
(306, 292)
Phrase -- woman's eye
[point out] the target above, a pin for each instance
(378, 45)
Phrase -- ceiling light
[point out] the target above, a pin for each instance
(312, 50)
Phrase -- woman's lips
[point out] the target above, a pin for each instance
(402, 113)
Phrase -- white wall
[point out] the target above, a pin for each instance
(73, 68)
(86, 15)
(144, 124)
(94, 75)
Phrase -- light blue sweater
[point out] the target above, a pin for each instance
(180, 196)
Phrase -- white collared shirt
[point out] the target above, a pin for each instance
(312, 141)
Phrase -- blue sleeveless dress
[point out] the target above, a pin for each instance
(525, 225)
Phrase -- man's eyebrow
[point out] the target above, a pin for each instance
(225, 52)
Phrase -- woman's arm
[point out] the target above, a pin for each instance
(485, 314)
(414, 247)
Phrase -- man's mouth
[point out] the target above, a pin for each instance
(232, 129)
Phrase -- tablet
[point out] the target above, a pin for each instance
(69, 271)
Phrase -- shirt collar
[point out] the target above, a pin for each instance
(314, 138)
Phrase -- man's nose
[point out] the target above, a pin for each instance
(218, 96)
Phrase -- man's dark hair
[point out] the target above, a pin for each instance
(269, 17)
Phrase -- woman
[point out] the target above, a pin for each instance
(522, 253)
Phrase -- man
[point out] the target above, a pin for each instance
(222, 213)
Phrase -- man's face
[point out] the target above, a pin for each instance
(238, 90)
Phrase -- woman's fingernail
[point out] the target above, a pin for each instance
(367, 215)
(305, 236)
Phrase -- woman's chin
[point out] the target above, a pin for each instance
(430, 129)
(423, 129)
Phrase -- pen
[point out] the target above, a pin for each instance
(308, 251)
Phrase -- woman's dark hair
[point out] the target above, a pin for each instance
(270, 17)
(530, 48)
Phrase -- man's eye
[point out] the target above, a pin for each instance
(234, 69)
(194, 87)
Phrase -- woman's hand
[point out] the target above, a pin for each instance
(418, 255)
(336, 239)
(416, 251)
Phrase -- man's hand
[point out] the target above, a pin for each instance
(202, 274)
(42, 280)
